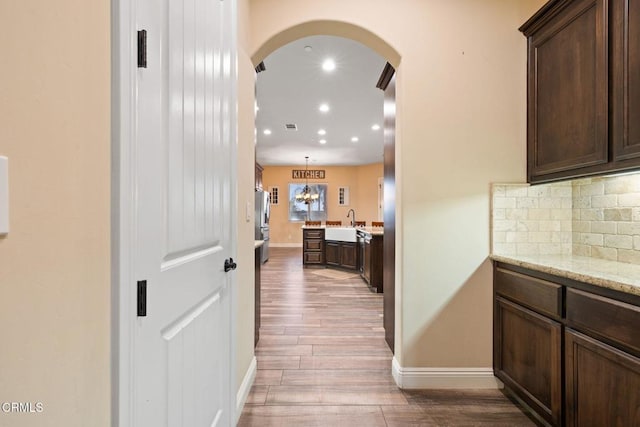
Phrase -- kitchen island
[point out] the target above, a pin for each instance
(350, 248)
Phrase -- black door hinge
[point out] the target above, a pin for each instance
(142, 298)
(142, 49)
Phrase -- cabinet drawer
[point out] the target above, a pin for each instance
(539, 295)
(313, 245)
(313, 258)
(614, 321)
(313, 234)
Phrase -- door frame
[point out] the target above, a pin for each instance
(123, 223)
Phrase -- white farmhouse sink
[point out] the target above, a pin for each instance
(342, 234)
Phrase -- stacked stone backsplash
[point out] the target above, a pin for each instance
(606, 218)
(532, 220)
(594, 217)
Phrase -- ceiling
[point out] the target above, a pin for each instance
(294, 85)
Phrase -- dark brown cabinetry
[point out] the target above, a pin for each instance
(257, 257)
(341, 254)
(603, 383)
(372, 262)
(313, 246)
(527, 344)
(583, 88)
(625, 75)
(593, 378)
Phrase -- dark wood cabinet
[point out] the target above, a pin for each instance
(257, 262)
(341, 254)
(372, 262)
(567, 88)
(528, 344)
(569, 350)
(313, 247)
(625, 75)
(603, 383)
(583, 85)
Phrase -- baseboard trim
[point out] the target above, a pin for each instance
(451, 378)
(245, 387)
(285, 245)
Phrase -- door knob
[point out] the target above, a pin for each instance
(229, 265)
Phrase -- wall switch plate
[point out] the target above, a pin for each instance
(4, 195)
(249, 209)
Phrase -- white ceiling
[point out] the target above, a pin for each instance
(294, 85)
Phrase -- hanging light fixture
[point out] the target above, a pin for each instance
(307, 195)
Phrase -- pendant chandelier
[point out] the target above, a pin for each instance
(307, 196)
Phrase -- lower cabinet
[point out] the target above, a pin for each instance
(569, 350)
(257, 261)
(372, 262)
(313, 246)
(341, 254)
(528, 357)
(603, 383)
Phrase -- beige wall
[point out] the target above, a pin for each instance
(55, 263)
(363, 191)
(460, 126)
(246, 159)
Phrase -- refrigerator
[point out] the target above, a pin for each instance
(263, 206)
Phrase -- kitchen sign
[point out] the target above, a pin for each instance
(307, 174)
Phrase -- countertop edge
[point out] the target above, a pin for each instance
(258, 243)
(601, 279)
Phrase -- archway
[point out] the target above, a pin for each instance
(385, 50)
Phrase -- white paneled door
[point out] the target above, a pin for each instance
(184, 183)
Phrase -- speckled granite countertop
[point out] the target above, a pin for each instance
(374, 231)
(614, 275)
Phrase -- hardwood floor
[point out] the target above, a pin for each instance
(323, 361)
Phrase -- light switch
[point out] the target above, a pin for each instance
(4, 195)
(248, 212)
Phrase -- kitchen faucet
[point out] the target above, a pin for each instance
(353, 218)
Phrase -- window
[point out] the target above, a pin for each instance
(274, 194)
(299, 211)
(343, 196)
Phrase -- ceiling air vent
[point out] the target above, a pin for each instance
(291, 126)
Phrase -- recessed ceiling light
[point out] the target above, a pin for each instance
(322, 132)
(354, 139)
(323, 141)
(375, 127)
(267, 131)
(324, 108)
(329, 65)
(308, 48)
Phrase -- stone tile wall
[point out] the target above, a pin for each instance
(532, 220)
(606, 218)
(594, 217)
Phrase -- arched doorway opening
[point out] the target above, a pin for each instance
(387, 84)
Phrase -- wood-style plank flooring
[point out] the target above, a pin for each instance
(323, 361)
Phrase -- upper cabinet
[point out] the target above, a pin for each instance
(583, 88)
(625, 75)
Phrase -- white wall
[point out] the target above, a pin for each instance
(460, 126)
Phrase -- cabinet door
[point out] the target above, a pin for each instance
(625, 69)
(602, 384)
(348, 255)
(527, 357)
(567, 91)
(366, 265)
(332, 252)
